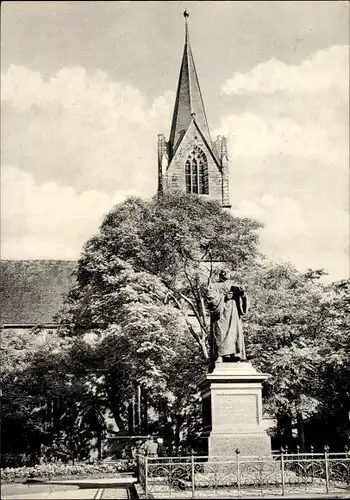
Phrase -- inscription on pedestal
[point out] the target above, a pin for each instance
(235, 411)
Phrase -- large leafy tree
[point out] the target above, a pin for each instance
(174, 242)
(142, 282)
(282, 330)
(333, 341)
(141, 288)
(139, 308)
(298, 332)
(33, 368)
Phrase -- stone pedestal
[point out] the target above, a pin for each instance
(232, 411)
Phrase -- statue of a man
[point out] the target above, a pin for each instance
(227, 303)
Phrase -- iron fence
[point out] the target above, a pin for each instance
(238, 476)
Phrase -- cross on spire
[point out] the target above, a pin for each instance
(186, 15)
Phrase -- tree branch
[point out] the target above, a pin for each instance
(199, 338)
(190, 282)
(204, 316)
(211, 269)
(200, 311)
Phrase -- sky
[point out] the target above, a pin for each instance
(86, 87)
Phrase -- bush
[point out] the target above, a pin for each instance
(60, 471)
(14, 460)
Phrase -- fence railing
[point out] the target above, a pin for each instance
(277, 474)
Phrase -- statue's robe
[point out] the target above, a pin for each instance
(226, 327)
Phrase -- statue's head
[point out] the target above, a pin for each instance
(224, 274)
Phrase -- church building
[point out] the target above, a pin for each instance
(190, 161)
(33, 291)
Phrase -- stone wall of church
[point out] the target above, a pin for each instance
(175, 176)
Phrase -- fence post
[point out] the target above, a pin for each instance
(193, 484)
(215, 474)
(347, 456)
(146, 475)
(138, 475)
(326, 450)
(170, 476)
(282, 472)
(312, 463)
(237, 451)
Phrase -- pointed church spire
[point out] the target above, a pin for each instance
(189, 103)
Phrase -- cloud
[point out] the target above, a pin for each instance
(76, 144)
(83, 130)
(301, 111)
(49, 221)
(289, 150)
(79, 142)
(313, 75)
(301, 234)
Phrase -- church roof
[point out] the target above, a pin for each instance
(188, 99)
(32, 291)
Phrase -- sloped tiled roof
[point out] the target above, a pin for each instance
(32, 290)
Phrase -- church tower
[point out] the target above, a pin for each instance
(190, 161)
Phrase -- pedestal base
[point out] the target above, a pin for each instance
(226, 444)
(232, 411)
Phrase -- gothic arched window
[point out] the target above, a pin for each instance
(196, 172)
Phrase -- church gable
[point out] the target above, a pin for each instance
(194, 168)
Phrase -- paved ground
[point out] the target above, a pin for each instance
(83, 489)
(71, 492)
(246, 494)
(86, 494)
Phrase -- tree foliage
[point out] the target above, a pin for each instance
(174, 242)
(141, 289)
(139, 310)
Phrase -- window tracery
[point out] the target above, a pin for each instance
(196, 172)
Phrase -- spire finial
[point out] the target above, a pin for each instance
(186, 15)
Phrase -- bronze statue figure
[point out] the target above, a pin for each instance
(227, 303)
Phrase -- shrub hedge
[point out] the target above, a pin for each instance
(61, 471)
